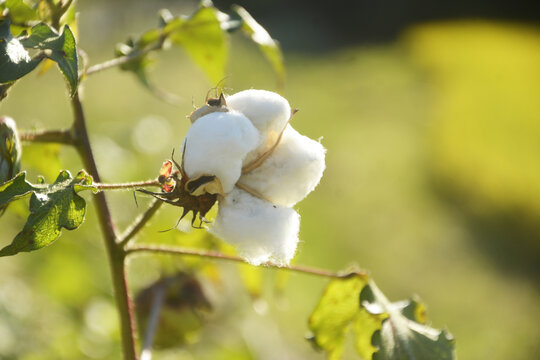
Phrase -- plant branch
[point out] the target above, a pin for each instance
(137, 54)
(63, 136)
(220, 256)
(140, 222)
(122, 59)
(115, 254)
(126, 186)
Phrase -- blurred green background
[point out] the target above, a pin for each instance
(432, 184)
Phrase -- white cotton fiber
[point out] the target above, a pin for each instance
(260, 231)
(292, 171)
(268, 111)
(216, 144)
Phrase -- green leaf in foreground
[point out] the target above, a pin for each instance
(63, 50)
(382, 330)
(403, 336)
(15, 62)
(52, 207)
(269, 47)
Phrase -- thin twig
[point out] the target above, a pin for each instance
(126, 186)
(220, 256)
(140, 222)
(121, 60)
(63, 136)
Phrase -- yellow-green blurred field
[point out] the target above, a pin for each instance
(432, 184)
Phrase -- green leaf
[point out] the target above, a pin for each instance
(63, 50)
(150, 37)
(203, 38)
(335, 314)
(269, 47)
(52, 207)
(383, 330)
(19, 12)
(365, 326)
(40, 35)
(402, 335)
(16, 188)
(15, 62)
(139, 66)
(67, 59)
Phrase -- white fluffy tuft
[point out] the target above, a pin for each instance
(267, 111)
(292, 171)
(216, 144)
(261, 231)
(16, 52)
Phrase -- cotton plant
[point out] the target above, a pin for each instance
(242, 152)
(241, 156)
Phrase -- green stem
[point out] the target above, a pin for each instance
(220, 256)
(115, 253)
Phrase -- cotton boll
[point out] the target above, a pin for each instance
(216, 144)
(259, 230)
(268, 111)
(292, 171)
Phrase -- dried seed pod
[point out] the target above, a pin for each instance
(212, 105)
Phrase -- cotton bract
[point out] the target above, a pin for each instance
(255, 209)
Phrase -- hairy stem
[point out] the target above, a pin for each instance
(126, 186)
(63, 136)
(140, 222)
(220, 256)
(115, 254)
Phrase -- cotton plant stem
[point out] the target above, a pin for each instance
(220, 256)
(126, 186)
(115, 253)
(62, 136)
(140, 222)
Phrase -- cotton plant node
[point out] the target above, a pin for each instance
(179, 190)
(244, 154)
